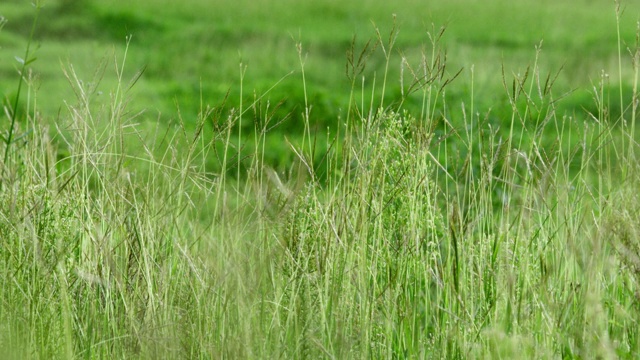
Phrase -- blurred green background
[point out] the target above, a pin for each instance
(199, 52)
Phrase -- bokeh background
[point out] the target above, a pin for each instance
(197, 53)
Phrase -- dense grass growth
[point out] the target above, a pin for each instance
(443, 229)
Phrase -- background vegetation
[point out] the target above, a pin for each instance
(195, 54)
(264, 179)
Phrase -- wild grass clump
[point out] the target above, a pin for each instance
(443, 234)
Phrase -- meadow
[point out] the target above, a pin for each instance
(271, 179)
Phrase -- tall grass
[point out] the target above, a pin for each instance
(416, 236)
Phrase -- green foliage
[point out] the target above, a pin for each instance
(416, 222)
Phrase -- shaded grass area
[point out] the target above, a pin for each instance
(430, 226)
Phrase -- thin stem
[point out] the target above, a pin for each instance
(25, 62)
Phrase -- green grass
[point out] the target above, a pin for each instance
(486, 217)
(193, 51)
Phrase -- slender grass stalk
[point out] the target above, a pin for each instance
(622, 120)
(635, 60)
(243, 70)
(24, 63)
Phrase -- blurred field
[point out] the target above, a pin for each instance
(193, 51)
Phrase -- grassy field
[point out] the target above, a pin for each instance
(321, 180)
(196, 54)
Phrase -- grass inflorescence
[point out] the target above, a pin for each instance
(449, 232)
